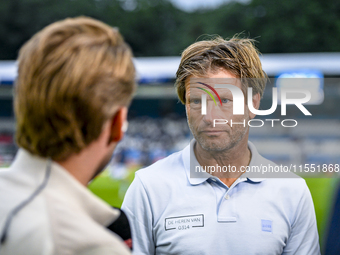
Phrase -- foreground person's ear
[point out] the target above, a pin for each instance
(118, 125)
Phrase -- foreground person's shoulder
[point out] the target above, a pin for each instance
(106, 250)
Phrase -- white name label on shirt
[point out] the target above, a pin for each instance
(184, 222)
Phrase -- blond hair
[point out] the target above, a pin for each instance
(73, 76)
(238, 56)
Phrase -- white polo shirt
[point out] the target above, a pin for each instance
(64, 219)
(171, 213)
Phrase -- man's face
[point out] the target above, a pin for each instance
(223, 136)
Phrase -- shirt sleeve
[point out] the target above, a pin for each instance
(303, 237)
(136, 206)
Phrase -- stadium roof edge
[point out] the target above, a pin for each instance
(160, 68)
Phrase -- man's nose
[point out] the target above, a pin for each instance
(212, 112)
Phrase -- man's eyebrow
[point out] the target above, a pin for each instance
(225, 92)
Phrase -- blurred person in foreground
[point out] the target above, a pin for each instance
(75, 81)
(173, 212)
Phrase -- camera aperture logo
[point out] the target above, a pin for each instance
(204, 105)
(238, 104)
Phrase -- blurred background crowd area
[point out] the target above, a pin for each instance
(295, 36)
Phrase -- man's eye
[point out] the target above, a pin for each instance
(225, 100)
(196, 101)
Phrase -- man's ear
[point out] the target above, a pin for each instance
(117, 125)
(256, 104)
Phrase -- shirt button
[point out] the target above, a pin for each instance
(227, 196)
(213, 179)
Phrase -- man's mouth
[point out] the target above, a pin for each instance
(213, 132)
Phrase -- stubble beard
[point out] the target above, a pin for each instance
(211, 146)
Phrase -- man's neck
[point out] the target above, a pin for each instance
(232, 159)
(84, 165)
(80, 169)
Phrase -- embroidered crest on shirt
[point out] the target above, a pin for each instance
(184, 222)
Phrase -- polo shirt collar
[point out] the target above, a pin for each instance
(62, 184)
(255, 158)
(189, 157)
